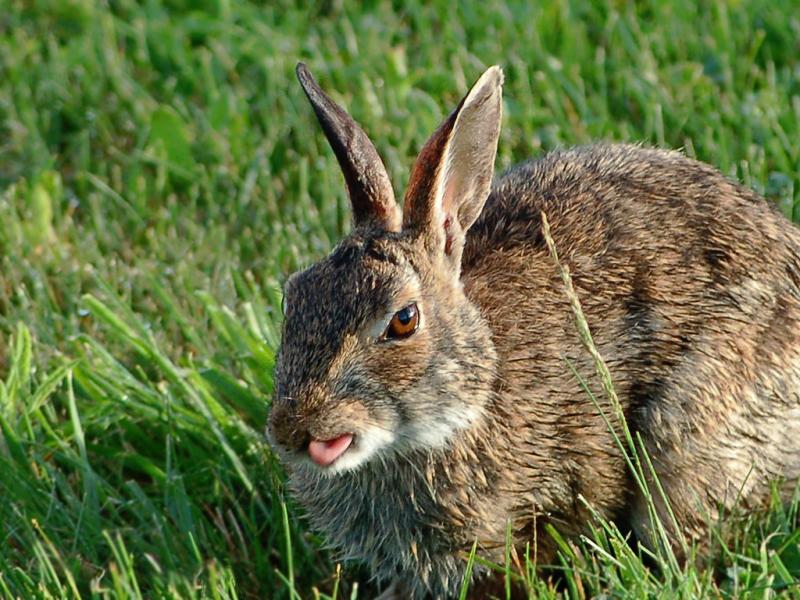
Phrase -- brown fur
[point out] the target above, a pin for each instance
(690, 285)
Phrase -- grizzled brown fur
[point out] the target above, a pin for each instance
(690, 284)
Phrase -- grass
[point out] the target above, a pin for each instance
(160, 173)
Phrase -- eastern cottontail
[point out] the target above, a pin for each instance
(424, 396)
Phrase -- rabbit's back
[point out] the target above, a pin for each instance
(691, 287)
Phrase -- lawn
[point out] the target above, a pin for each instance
(161, 173)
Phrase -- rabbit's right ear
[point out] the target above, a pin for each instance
(368, 183)
(452, 176)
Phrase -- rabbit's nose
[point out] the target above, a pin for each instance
(285, 428)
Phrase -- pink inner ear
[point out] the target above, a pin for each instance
(449, 234)
(449, 208)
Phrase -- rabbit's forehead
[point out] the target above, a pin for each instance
(343, 291)
(347, 288)
(335, 298)
(369, 271)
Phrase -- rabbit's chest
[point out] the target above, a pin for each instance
(402, 526)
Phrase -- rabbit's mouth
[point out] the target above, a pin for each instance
(326, 452)
(341, 436)
(346, 451)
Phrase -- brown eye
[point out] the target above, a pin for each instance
(403, 323)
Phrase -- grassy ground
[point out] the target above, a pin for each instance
(160, 172)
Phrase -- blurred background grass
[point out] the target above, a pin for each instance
(161, 172)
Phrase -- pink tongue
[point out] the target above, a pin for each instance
(325, 452)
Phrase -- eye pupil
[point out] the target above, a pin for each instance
(403, 323)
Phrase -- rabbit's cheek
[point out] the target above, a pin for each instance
(401, 363)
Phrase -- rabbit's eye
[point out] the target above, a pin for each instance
(403, 323)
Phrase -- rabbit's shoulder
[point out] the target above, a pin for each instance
(605, 196)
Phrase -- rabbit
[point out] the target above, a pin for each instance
(425, 393)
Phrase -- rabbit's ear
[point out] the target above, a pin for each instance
(368, 183)
(452, 176)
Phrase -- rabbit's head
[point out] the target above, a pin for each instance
(381, 350)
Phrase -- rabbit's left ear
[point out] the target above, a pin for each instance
(368, 183)
(452, 175)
